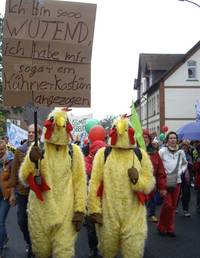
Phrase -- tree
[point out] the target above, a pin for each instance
(3, 116)
(1, 55)
(107, 123)
(3, 112)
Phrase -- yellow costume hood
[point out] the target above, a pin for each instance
(57, 128)
(122, 133)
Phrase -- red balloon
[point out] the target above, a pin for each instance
(97, 133)
(165, 128)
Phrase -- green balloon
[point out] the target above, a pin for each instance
(91, 123)
(162, 137)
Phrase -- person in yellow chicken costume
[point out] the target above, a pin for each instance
(57, 203)
(117, 187)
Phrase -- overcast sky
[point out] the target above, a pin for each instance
(125, 28)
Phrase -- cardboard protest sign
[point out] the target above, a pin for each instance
(47, 52)
(45, 76)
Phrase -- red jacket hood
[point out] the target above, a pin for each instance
(93, 148)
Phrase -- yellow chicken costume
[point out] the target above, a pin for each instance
(56, 206)
(118, 212)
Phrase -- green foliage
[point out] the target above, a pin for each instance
(3, 117)
(1, 55)
(107, 122)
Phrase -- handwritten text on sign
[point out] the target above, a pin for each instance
(47, 48)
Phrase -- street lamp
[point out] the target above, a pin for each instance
(190, 2)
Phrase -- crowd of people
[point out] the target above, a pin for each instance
(182, 157)
(169, 170)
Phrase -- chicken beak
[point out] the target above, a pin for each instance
(121, 126)
(60, 122)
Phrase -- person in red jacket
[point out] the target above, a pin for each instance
(159, 174)
(93, 148)
(196, 169)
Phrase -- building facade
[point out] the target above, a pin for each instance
(168, 85)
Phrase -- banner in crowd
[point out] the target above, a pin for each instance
(135, 122)
(79, 123)
(15, 134)
(47, 53)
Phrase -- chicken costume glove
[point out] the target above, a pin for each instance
(78, 220)
(133, 175)
(35, 154)
(121, 178)
(56, 207)
(96, 218)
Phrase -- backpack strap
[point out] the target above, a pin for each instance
(138, 153)
(107, 152)
(136, 150)
(70, 150)
(141, 196)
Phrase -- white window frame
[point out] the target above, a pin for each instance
(192, 70)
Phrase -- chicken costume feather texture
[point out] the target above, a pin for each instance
(124, 226)
(50, 221)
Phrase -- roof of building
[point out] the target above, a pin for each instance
(182, 60)
(167, 63)
(158, 61)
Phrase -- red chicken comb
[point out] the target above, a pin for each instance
(125, 116)
(66, 109)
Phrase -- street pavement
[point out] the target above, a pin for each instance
(185, 245)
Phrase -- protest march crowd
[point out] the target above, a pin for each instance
(108, 183)
(112, 181)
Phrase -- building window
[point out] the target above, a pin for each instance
(158, 129)
(191, 68)
(154, 106)
(158, 104)
(141, 112)
(149, 108)
(150, 79)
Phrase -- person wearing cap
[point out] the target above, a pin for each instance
(159, 174)
(114, 199)
(58, 191)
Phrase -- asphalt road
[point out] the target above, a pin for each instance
(185, 245)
